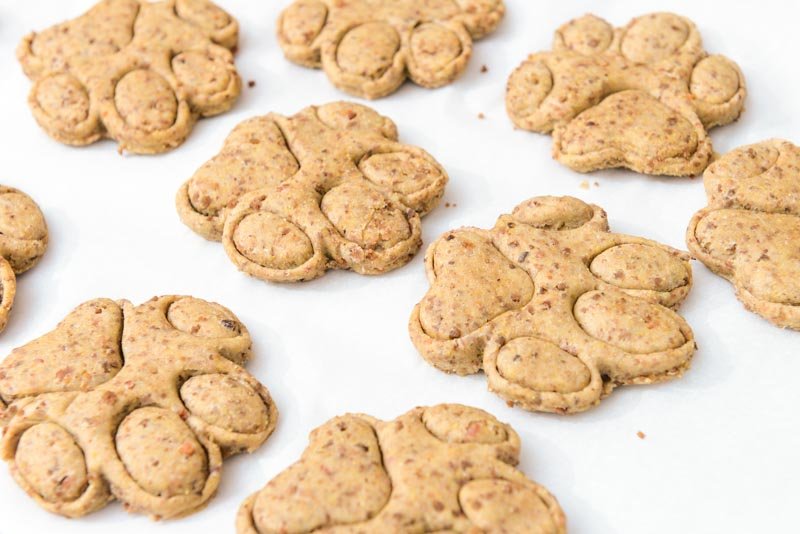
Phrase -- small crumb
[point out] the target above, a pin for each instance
(641, 434)
(584, 185)
(449, 205)
(484, 69)
(481, 116)
(597, 184)
(251, 84)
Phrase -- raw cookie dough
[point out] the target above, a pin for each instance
(23, 240)
(137, 403)
(750, 231)
(446, 468)
(136, 71)
(327, 188)
(641, 97)
(368, 47)
(554, 308)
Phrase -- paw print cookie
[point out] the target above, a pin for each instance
(368, 47)
(135, 403)
(327, 188)
(136, 71)
(750, 231)
(23, 240)
(445, 468)
(553, 307)
(642, 96)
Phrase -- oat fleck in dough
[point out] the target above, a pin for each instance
(138, 403)
(368, 47)
(329, 187)
(641, 97)
(446, 468)
(555, 308)
(23, 240)
(750, 231)
(135, 71)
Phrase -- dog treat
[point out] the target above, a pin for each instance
(554, 308)
(137, 403)
(368, 47)
(446, 468)
(641, 97)
(750, 231)
(23, 240)
(136, 71)
(329, 187)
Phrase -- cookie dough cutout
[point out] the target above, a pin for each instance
(135, 403)
(327, 188)
(554, 308)
(445, 468)
(750, 229)
(641, 97)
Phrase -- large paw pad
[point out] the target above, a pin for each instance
(134, 403)
(444, 468)
(641, 97)
(553, 307)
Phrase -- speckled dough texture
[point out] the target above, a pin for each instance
(642, 96)
(368, 47)
(554, 308)
(138, 403)
(750, 231)
(329, 187)
(135, 71)
(23, 240)
(444, 469)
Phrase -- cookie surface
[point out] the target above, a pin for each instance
(138, 403)
(23, 240)
(329, 187)
(554, 308)
(750, 231)
(368, 47)
(445, 468)
(642, 96)
(135, 71)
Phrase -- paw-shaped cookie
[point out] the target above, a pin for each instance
(137, 403)
(641, 97)
(554, 308)
(446, 468)
(23, 240)
(368, 47)
(136, 71)
(329, 187)
(750, 231)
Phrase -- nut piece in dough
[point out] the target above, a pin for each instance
(135, 403)
(553, 307)
(642, 96)
(445, 468)
(136, 71)
(368, 47)
(327, 188)
(750, 231)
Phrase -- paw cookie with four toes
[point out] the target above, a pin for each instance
(555, 308)
(750, 231)
(135, 403)
(368, 47)
(445, 468)
(136, 71)
(329, 187)
(642, 96)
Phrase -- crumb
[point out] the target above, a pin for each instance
(484, 69)
(251, 83)
(481, 116)
(584, 185)
(449, 205)
(641, 434)
(597, 184)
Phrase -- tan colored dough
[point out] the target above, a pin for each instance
(642, 96)
(553, 307)
(445, 468)
(23, 240)
(135, 403)
(135, 71)
(750, 231)
(327, 188)
(368, 47)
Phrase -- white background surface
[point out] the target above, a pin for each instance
(721, 452)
